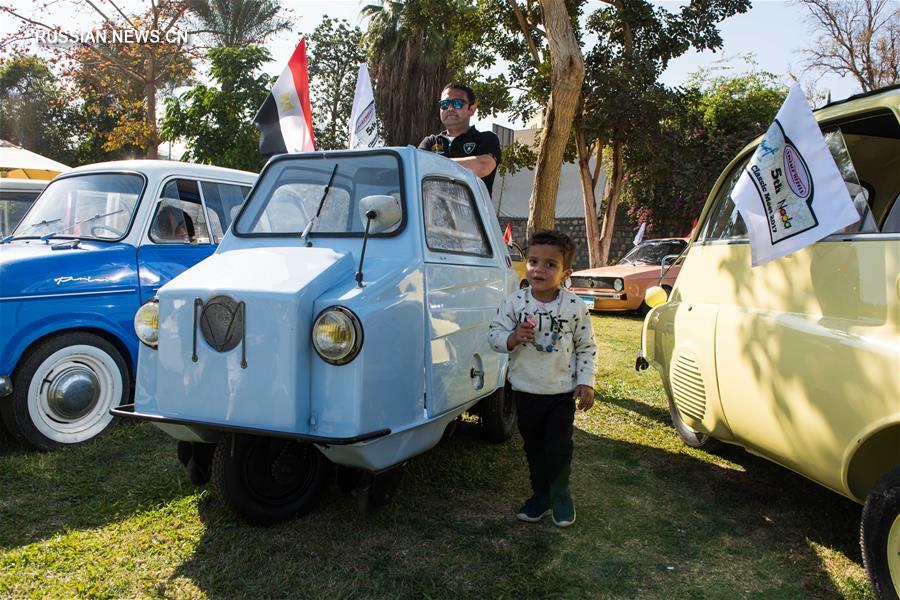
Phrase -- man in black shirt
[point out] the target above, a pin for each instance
(478, 151)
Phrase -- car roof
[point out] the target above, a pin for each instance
(8, 183)
(167, 167)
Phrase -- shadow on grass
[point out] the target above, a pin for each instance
(133, 468)
(651, 524)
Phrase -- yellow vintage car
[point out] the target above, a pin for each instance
(798, 360)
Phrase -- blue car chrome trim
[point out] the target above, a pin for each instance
(8, 298)
(128, 411)
(5, 386)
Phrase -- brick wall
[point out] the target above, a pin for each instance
(623, 234)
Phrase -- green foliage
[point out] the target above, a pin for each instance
(410, 48)
(335, 53)
(216, 122)
(238, 23)
(701, 128)
(34, 110)
(515, 157)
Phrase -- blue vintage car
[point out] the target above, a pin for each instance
(99, 242)
(343, 320)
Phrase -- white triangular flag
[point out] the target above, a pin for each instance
(640, 234)
(791, 193)
(363, 125)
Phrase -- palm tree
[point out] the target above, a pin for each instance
(409, 43)
(237, 23)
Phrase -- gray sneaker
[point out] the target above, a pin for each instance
(563, 512)
(534, 510)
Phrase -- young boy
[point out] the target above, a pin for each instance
(547, 332)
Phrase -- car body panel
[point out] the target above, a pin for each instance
(69, 283)
(594, 287)
(806, 347)
(424, 315)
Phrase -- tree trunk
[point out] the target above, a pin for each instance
(567, 73)
(151, 147)
(612, 193)
(588, 182)
(407, 90)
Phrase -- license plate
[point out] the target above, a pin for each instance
(589, 302)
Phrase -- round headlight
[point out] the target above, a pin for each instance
(337, 335)
(146, 323)
(618, 285)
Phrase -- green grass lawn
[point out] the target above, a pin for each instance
(118, 518)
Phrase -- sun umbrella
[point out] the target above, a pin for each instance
(18, 163)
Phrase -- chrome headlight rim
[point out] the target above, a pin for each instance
(152, 304)
(356, 328)
(618, 284)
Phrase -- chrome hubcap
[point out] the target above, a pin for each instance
(73, 393)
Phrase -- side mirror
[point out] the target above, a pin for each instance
(386, 209)
(667, 258)
(654, 296)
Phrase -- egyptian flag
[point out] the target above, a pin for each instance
(285, 118)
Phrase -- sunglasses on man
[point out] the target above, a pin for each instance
(456, 103)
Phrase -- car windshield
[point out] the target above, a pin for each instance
(652, 252)
(294, 190)
(97, 206)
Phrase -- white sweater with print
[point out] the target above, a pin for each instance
(571, 357)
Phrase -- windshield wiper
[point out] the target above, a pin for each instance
(312, 222)
(47, 236)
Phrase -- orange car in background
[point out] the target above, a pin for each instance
(621, 287)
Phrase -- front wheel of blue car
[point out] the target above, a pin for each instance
(268, 480)
(63, 389)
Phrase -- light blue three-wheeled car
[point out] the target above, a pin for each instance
(343, 320)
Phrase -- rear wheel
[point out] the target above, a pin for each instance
(880, 536)
(689, 436)
(63, 390)
(498, 414)
(268, 480)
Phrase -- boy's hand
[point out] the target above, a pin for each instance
(584, 396)
(524, 332)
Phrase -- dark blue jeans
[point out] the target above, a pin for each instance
(546, 423)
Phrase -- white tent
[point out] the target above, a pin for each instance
(512, 193)
(18, 163)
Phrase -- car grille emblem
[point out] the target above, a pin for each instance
(222, 325)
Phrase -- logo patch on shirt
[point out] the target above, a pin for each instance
(468, 147)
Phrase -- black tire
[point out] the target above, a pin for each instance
(268, 480)
(691, 437)
(63, 389)
(498, 415)
(879, 536)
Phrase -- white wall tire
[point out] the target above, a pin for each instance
(63, 390)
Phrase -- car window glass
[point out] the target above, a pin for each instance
(725, 223)
(223, 200)
(652, 252)
(867, 152)
(858, 194)
(892, 223)
(293, 191)
(452, 223)
(179, 217)
(94, 205)
(13, 206)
